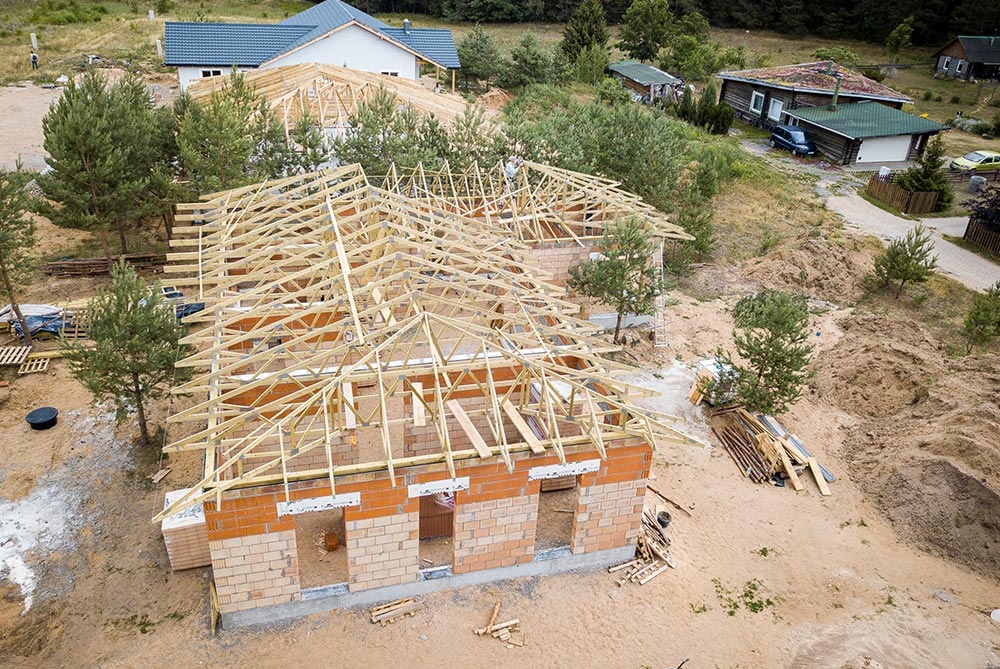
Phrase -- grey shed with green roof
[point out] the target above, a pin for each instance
(865, 132)
(645, 80)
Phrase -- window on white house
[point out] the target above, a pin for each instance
(774, 110)
(391, 73)
(211, 73)
(960, 67)
(756, 102)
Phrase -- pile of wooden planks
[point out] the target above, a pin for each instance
(97, 266)
(391, 611)
(652, 554)
(504, 631)
(762, 449)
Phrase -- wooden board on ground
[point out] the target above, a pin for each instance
(790, 470)
(818, 475)
(14, 355)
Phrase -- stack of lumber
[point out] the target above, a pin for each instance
(389, 612)
(504, 631)
(762, 448)
(97, 266)
(652, 557)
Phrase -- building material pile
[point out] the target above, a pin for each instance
(98, 266)
(398, 609)
(764, 451)
(504, 631)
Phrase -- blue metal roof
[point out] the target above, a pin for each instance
(250, 45)
(227, 44)
(437, 44)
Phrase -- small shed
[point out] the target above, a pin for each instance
(645, 80)
(969, 57)
(865, 132)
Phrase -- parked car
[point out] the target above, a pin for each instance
(794, 139)
(978, 161)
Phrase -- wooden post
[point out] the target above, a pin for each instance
(453, 81)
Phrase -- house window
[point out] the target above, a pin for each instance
(947, 63)
(774, 110)
(756, 102)
(211, 73)
(391, 73)
(960, 67)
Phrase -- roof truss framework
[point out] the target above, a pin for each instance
(330, 95)
(328, 298)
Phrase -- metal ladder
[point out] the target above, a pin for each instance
(660, 301)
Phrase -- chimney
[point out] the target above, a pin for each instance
(406, 26)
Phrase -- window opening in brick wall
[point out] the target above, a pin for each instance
(556, 510)
(319, 538)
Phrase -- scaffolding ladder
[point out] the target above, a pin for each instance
(660, 301)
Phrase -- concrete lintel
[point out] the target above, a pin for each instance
(347, 600)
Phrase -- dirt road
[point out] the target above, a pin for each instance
(970, 269)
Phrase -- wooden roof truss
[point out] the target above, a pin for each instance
(327, 299)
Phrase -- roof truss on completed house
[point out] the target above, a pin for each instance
(338, 312)
(329, 94)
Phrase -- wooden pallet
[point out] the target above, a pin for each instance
(32, 366)
(14, 355)
(400, 608)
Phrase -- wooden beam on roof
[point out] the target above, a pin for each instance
(522, 427)
(470, 430)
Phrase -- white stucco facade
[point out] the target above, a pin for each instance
(351, 46)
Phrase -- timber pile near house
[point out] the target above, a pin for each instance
(764, 451)
(98, 266)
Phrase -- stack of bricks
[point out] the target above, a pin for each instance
(185, 535)
(495, 533)
(255, 571)
(382, 550)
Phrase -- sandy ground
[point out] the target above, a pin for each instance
(899, 568)
(21, 124)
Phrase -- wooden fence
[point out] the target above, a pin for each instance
(982, 235)
(883, 190)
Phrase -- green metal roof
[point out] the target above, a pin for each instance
(647, 75)
(860, 120)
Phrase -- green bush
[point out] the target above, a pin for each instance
(955, 100)
(65, 12)
(928, 96)
(873, 73)
(938, 99)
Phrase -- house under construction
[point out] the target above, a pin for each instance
(388, 365)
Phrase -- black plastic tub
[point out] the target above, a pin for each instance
(42, 418)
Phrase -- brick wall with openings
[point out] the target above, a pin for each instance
(609, 509)
(495, 518)
(255, 571)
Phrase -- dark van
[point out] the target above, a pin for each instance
(793, 139)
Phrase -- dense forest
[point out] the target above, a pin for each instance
(936, 21)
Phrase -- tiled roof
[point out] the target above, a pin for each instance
(861, 120)
(816, 78)
(227, 44)
(981, 49)
(647, 75)
(436, 44)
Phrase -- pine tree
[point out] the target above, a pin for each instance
(646, 28)
(623, 276)
(907, 260)
(899, 38)
(529, 64)
(231, 140)
(928, 175)
(591, 64)
(17, 239)
(588, 27)
(136, 344)
(98, 140)
(982, 323)
(774, 352)
(481, 57)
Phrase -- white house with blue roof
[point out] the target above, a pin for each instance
(332, 32)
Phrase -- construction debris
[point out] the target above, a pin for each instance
(652, 551)
(504, 631)
(400, 608)
(98, 266)
(765, 451)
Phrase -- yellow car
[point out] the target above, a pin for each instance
(978, 161)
